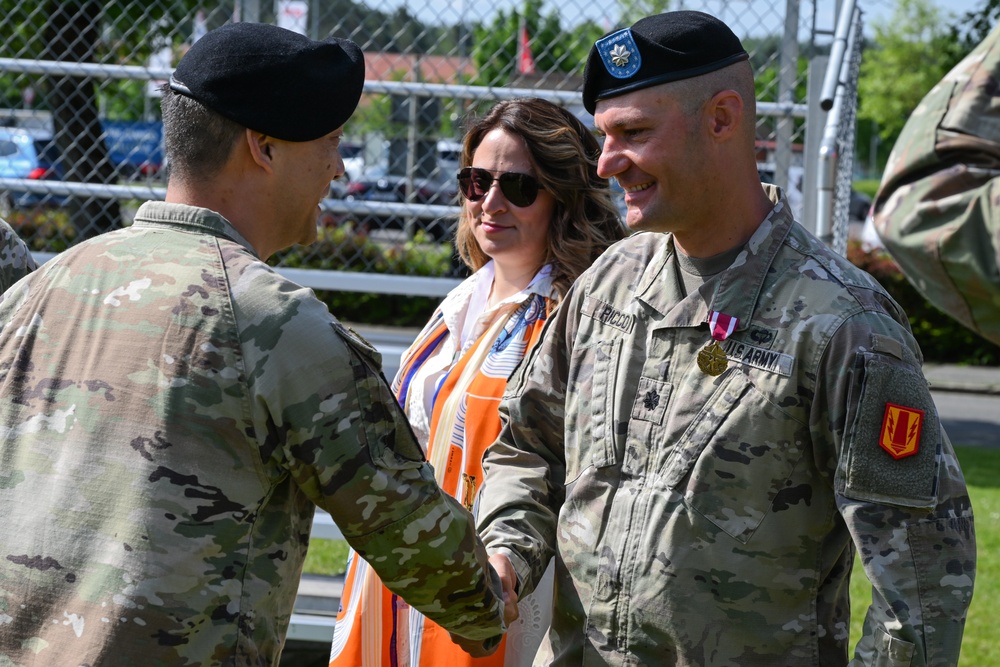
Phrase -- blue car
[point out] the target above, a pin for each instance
(31, 156)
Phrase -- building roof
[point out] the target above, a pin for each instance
(381, 66)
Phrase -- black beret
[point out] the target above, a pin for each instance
(658, 49)
(273, 80)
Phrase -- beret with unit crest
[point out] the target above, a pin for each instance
(273, 80)
(658, 49)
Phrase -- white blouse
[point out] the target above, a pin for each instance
(467, 315)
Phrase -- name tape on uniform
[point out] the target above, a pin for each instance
(759, 357)
(608, 314)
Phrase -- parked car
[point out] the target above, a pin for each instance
(859, 206)
(449, 156)
(135, 148)
(378, 186)
(28, 155)
(354, 160)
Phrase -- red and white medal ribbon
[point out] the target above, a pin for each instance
(722, 325)
(712, 360)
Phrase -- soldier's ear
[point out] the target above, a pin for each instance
(724, 114)
(260, 146)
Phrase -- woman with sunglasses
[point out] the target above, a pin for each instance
(535, 214)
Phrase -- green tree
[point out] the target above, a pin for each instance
(494, 51)
(583, 37)
(553, 48)
(973, 27)
(911, 52)
(633, 10)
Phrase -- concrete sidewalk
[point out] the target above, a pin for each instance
(970, 379)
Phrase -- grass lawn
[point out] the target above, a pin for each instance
(979, 644)
(326, 557)
(979, 647)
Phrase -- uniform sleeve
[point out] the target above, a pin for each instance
(327, 414)
(936, 208)
(524, 470)
(900, 492)
(15, 257)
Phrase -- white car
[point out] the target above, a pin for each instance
(449, 155)
(354, 160)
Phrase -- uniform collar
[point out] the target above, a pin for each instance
(188, 218)
(734, 291)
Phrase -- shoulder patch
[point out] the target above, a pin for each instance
(893, 435)
(901, 428)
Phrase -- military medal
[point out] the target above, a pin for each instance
(713, 360)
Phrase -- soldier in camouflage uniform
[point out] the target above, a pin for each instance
(173, 409)
(937, 209)
(723, 412)
(15, 258)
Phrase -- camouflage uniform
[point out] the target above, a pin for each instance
(700, 520)
(937, 209)
(172, 410)
(15, 257)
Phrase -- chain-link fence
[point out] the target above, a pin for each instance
(80, 80)
(836, 153)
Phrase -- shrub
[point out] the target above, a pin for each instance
(941, 338)
(344, 249)
(44, 229)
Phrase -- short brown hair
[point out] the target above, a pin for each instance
(197, 140)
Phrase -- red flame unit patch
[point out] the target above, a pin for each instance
(901, 429)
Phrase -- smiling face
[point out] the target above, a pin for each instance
(306, 169)
(656, 149)
(514, 237)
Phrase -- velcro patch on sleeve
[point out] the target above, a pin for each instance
(895, 434)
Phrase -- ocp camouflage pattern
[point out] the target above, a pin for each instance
(15, 257)
(172, 411)
(938, 206)
(700, 520)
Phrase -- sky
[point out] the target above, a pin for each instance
(746, 17)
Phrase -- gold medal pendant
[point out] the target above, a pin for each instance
(713, 360)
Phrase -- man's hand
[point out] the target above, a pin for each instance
(508, 579)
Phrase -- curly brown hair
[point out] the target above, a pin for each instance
(564, 155)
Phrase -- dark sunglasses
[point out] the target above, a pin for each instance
(519, 189)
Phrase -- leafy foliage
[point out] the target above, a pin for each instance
(633, 10)
(941, 338)
(495, 44)
(975, 25)
(913, 50)
(344, 249)
(44, 229)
